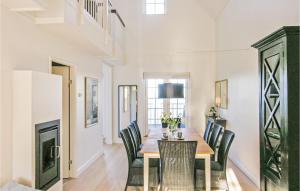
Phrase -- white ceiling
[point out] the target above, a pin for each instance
(214, 7)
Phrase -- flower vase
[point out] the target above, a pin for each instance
(172, 131)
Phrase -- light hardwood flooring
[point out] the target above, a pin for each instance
(109, 173)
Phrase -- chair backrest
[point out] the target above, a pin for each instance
(134, 138)
(128, 145)
(177, 164)
(137, 129)
(207, 130)
(215, 135)
(225, 144)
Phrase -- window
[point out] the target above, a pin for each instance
(157, 106)
(155, 7)
(177, 106)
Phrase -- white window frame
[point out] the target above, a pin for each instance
(145, 8)
(168, 76)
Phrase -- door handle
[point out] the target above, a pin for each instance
(51, 151)
(57, 148)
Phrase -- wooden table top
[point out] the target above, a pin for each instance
(150, 145)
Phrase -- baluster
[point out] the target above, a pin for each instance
(93, 9)
(89, 11)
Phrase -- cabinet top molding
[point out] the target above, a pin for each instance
(283, 31)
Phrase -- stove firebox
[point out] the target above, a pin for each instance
(47, 154)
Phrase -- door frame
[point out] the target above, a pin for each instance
(72, 122)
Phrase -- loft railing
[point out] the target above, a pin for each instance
(119, 17)
(95, 9)
(100, 11)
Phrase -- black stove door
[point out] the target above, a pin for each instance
(48, 162)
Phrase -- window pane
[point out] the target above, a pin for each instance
(150, 9)
(159, 81)
(151, 122)
(174, 112)
(160, 1)
(151, 93)
(151, 103)
(173, 101)
(181, 101)
(181, 112)
(151, 83)
(151, 114)
(159, 113)
(150, 1)
(160, 9)
(181, 81)
(159, 103)
(181, 106)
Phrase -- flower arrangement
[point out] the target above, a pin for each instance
(168, 121)
(165, 117)
(212, 111)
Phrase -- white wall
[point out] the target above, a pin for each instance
(183, 40)
(241, 24)
(26, 46)
(106, 98)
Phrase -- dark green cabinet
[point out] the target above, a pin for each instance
(279, 110)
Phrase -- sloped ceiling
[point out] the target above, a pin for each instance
(214, 7)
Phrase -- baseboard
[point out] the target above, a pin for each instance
(252, 177)
(88, 163)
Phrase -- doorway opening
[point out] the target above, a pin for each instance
(65, 72)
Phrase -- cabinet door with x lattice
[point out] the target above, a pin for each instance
(279, 110)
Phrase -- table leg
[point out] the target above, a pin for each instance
(146, 172)
(207, 173)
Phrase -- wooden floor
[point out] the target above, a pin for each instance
(109, 173)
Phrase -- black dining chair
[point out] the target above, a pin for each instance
(215, 136)
(136, 165)
(177, 165)
(137, 129)
(218, 168)
(208, 130)
(135, 141)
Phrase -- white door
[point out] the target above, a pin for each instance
(64, 71)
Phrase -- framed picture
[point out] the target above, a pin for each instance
(221, 93)
(91, 101)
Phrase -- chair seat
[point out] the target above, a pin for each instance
(218, 180)
(215, 166)
(139, 163)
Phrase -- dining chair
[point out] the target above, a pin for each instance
(218, 174)
(135, 140)
(137, 129)
(177, 165)
(207, 130)
(136, 165)
(215, 135)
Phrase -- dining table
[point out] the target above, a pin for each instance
(150, 150)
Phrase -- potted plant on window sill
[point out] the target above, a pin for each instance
(165, 118)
